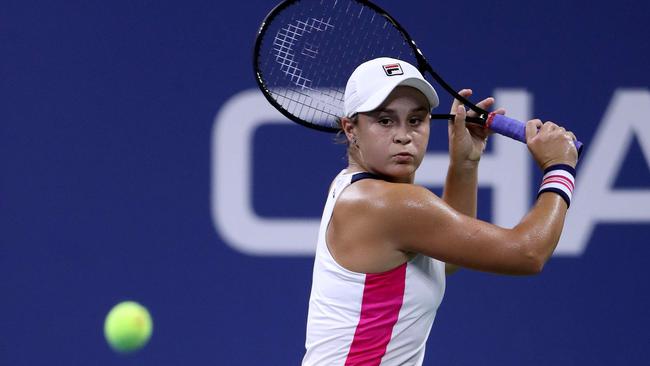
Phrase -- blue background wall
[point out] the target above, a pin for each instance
(107, 111)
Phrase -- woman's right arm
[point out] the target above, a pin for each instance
(418, 221)
(415, 220)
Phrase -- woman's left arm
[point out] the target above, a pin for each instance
(466, 145)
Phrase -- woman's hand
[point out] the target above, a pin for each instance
(467, 141)
(551, 144)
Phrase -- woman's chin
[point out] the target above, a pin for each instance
(400, 173)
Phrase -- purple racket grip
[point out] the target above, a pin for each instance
(514, 129)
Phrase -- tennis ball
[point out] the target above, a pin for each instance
(128, 327)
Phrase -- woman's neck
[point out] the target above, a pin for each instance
(356, 167)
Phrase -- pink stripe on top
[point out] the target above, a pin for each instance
(383, 294)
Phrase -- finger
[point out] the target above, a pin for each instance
(572, 135)
(478, 131)
(547, 127)
(459, 119)
(500, 111)
(550, 126)
(463, 93)
(485, 104)
(532, 127)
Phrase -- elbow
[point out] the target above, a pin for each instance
(523, 262)
(531, 253)
(534, 259)
(533, 263)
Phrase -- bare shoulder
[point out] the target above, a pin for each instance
(364, 234)
(406, 218)
(356, 235)
(375, 194)
(390, 206)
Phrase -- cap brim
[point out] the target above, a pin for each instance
(380, 95)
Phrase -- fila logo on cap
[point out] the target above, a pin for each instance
(393, 69)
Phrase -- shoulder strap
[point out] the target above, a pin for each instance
(364, 175)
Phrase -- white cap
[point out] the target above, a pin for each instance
(372, 82)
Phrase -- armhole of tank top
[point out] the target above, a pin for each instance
(327, 247)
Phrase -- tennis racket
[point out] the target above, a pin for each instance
(307, 49)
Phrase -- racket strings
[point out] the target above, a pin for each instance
(310, 48)
(285, 40)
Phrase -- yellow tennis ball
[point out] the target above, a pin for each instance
(128, 327)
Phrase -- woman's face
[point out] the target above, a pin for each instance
(392, 139)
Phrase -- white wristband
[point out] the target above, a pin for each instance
(559, 179)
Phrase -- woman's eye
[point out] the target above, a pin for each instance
(415, 121)
(384, 121)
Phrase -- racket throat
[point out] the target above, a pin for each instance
(481, 120)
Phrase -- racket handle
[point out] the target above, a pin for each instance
(514, 129)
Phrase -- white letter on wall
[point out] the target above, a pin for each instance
(231, 204)
(594, 199)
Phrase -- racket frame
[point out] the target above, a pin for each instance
(423, 66)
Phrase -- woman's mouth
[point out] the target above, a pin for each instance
(403, 157)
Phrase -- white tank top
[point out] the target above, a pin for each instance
(369, 319)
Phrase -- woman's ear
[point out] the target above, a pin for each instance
(348, 127)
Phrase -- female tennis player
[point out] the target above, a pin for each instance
(379, 271)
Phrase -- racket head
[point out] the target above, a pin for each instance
(306, 50)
